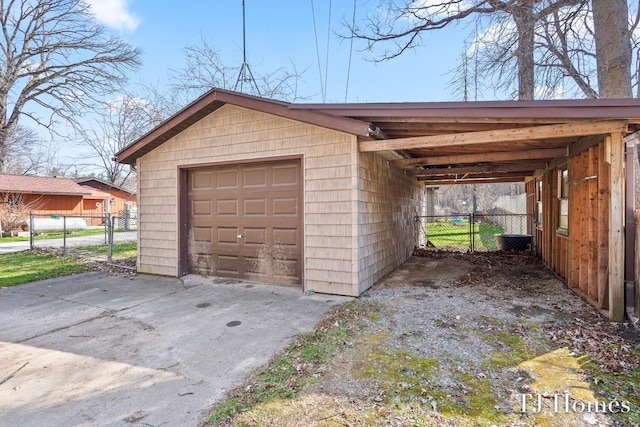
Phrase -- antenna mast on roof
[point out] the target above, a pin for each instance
(245, 75)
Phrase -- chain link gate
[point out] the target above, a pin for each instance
(476, 232)
(103, 238)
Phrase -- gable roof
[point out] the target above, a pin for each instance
(95, 183)
(488, 141)
(20, 184)
(216, 98)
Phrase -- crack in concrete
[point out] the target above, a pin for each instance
(106, 313)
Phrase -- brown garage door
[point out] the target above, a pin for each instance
(245, 222)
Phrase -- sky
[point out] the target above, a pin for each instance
(280, 33)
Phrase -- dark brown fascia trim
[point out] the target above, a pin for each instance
(81, 181)
(627, 108)
(215, 98)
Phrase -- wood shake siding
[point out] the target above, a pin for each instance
(388, 202)
(231, 134)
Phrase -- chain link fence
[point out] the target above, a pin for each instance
(123, 240)
(476, 232)
(103, 238)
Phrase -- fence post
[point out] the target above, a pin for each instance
(64, 235)
(107, 224)
(472, 235)
(31, 230)
(111, 222)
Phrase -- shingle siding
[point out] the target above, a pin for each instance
(236, 134)
(388, 203)
(358, 213)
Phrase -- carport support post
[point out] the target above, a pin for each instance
(615, 153)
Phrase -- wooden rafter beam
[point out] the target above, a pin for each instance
(527, 166)
(472, 181)
(492, 136)
(495, 175)
(500, 156)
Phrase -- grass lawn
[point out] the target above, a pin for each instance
(55, 235)
(456, 234)
(23, 267)
(120, 250)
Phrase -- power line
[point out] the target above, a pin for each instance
(315, 32)
(353, 24)
(326, 63)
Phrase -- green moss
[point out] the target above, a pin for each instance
(479, 400)
(403, 376)
(622, 387)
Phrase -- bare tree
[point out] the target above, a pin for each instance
(32, 154)
(205, 69)
(613, 48)
(115, 125)
(15, 209)
(531, 48)
(54, 55)
(403, 25)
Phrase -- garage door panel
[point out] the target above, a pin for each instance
(285, 175)
(201, 207)
(254, 177)
(226, 179)
(285, 206)
(228, 264)
(262, 204)
(227, 207)
(255, 207)
(227, 235)
(201, 180)
(285, 236)
(202, 234)
(254, 266)
(255, 236)
(201, 263)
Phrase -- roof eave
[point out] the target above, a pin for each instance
(214, 99)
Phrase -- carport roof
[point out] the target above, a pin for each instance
(439, 142)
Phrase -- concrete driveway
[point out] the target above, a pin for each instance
(92, 349)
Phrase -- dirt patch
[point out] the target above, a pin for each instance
(472, 339)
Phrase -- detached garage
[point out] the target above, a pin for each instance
(248, 188)
(326, 196)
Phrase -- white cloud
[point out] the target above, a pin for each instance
(114, 14)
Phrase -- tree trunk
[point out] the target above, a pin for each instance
(6, 131)
(525, 24)
(613, 48)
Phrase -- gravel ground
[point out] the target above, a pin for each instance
(468, 340)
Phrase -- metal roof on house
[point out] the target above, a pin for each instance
(20, 184)
(488, 141)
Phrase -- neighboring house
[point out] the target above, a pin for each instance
(119, 199)
(325, 196)
(65, 196)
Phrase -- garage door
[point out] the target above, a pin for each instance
(245, 222)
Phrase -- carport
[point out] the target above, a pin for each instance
(576, 158)
(362, 170)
